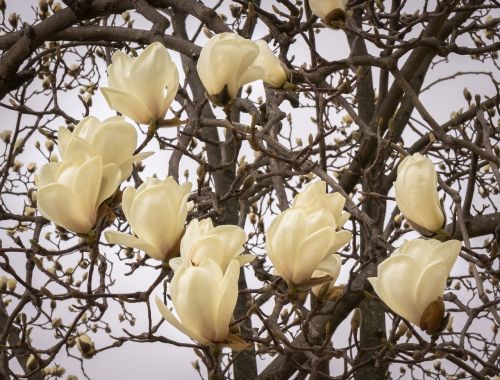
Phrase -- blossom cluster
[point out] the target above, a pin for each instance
(302, 242)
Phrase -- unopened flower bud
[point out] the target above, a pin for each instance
(13, 20)
(11, 284)
(85, 346)
(43, 5)
(49, 145)
(31, 363)
(5, 136)
(17, 166)
(356, 319)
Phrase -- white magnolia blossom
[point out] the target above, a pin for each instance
(142, 87)
(225, 64)
(202, 240)
(69, 192)
(329, 10)
(204, 298)
(331, 267)
(156, 211)
(272, 71)
(416, 193)
(302, 240)
(415, 276)
(113, 139)
(315, 195)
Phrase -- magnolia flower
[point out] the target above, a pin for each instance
(417, 196)
(204, 298)
(331, 267)
(315, 195)
(411, 282)
(157, 212)
(142, 87)
(69, 192)
(302, 240)
(330, 11)
(222, 244)
(113, 139)
(272, 71)
(225, 64)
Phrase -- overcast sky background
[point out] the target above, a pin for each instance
(159, 361)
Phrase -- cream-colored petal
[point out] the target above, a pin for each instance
(310, 194)
(331, 264)
(342, 237)
(342, 219)
(115, 142)
(195, 292)
(126, 240)
(128, 197)
(227, 300)
(207, 247)
(272, 72)
(430, 285)
(245, 259)
(176, 263)
(127, 167)
(193, 233)
(58, 204)
(151, 73)
(232, 238)
(153, 217)
(416, 192)
(75, 147)
(312, 251)
(47, 174)
(111, 179)
(86, 184)
(170, 318)
(87, 127)
(448, 252)
(119, 71)
(63, 138)
(127, 104)
(172, 87)
(283, 238)
(398, 277)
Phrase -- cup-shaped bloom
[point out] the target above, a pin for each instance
(225, 64)
(69, 192)
(142, 87)
(113, 139)
(202, 240)
(417, 196)
(330, 11)
(204, 298)
(272, 70)
(156, 211)
(415, 276)
(301, 240)
(315, 195)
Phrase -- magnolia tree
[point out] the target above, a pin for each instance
(275, 189)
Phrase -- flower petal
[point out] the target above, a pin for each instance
(58, 203)
(312, 251)
(227, 300)
(111, 179)
(126, 240)
(127, 105)
(170, 318)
